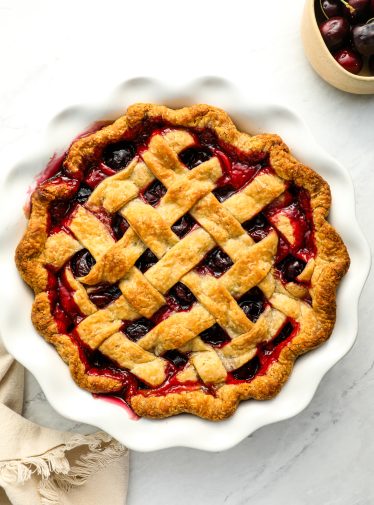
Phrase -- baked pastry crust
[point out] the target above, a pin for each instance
(310, 303)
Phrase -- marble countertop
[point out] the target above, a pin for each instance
(52, 53)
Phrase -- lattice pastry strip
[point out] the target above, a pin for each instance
(142, 295)
(253, 198)
(96, 328)
(80, 296)
(252, 266)
(205, 360)
(91, 232)
(59, 248)
(177, 330)
(115, 191)
(150, 226)
(219, 302)
(243, 347)
(131, 356)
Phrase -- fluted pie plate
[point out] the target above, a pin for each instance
(30, 349)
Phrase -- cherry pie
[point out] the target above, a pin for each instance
(180, 264)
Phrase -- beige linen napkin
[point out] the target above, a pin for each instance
(39, 466)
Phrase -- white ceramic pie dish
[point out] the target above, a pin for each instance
(24, 343)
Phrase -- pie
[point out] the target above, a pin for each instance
(180, 264)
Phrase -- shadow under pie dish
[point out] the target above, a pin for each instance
(180, 264)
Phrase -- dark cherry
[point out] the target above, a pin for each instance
(215, 335)
(349, 60)
(371, 64)
(103, 294)
(98, 360)
(193, 156)
(183, 225)
(138, 328)
(182, 295)
(217, 261)
(119, 155)
(332, 7)
(371, 7)
(154, 192)
(224, 192)
(363, 38)
(252, 303)
(119, 226)
(248, 370)
(178, 359)
(334, 31)
(83, 193)
(81, 263)
(58, 210)
(357, 10)
(283, 334)
(290, 267)
(257, 227)
(97, 174)
(146, 260)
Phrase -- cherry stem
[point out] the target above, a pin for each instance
(323, 10)
(369, 21)
(349, 7)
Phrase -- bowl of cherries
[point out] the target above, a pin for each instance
(338, 37)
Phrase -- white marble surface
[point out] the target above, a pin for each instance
(50, 53)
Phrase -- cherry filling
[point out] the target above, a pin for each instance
(83, 193)
(137, 329)
(81, 263)
(258, 227)
(236, 177)
(216, 262)
(248, 370)
(153, 193)
(184, 225)
(97, 174)
(60, 209)
(98, 360)
(146, 261)
(222, 193)
(215, 336)
(98, 364)
(178, 359)
(267, 354)
(65, 311)
(180, 297)
(290, 268)
(119, 226)
(238, 168)
(117, 156)
(294, 206)
(252, 303)
(283, 335)
(103, 294)
(194, 156)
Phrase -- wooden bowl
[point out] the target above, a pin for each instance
(324, 63)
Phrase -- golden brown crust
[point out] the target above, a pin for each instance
(331, 262)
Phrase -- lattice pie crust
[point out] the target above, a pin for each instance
(174, 366)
